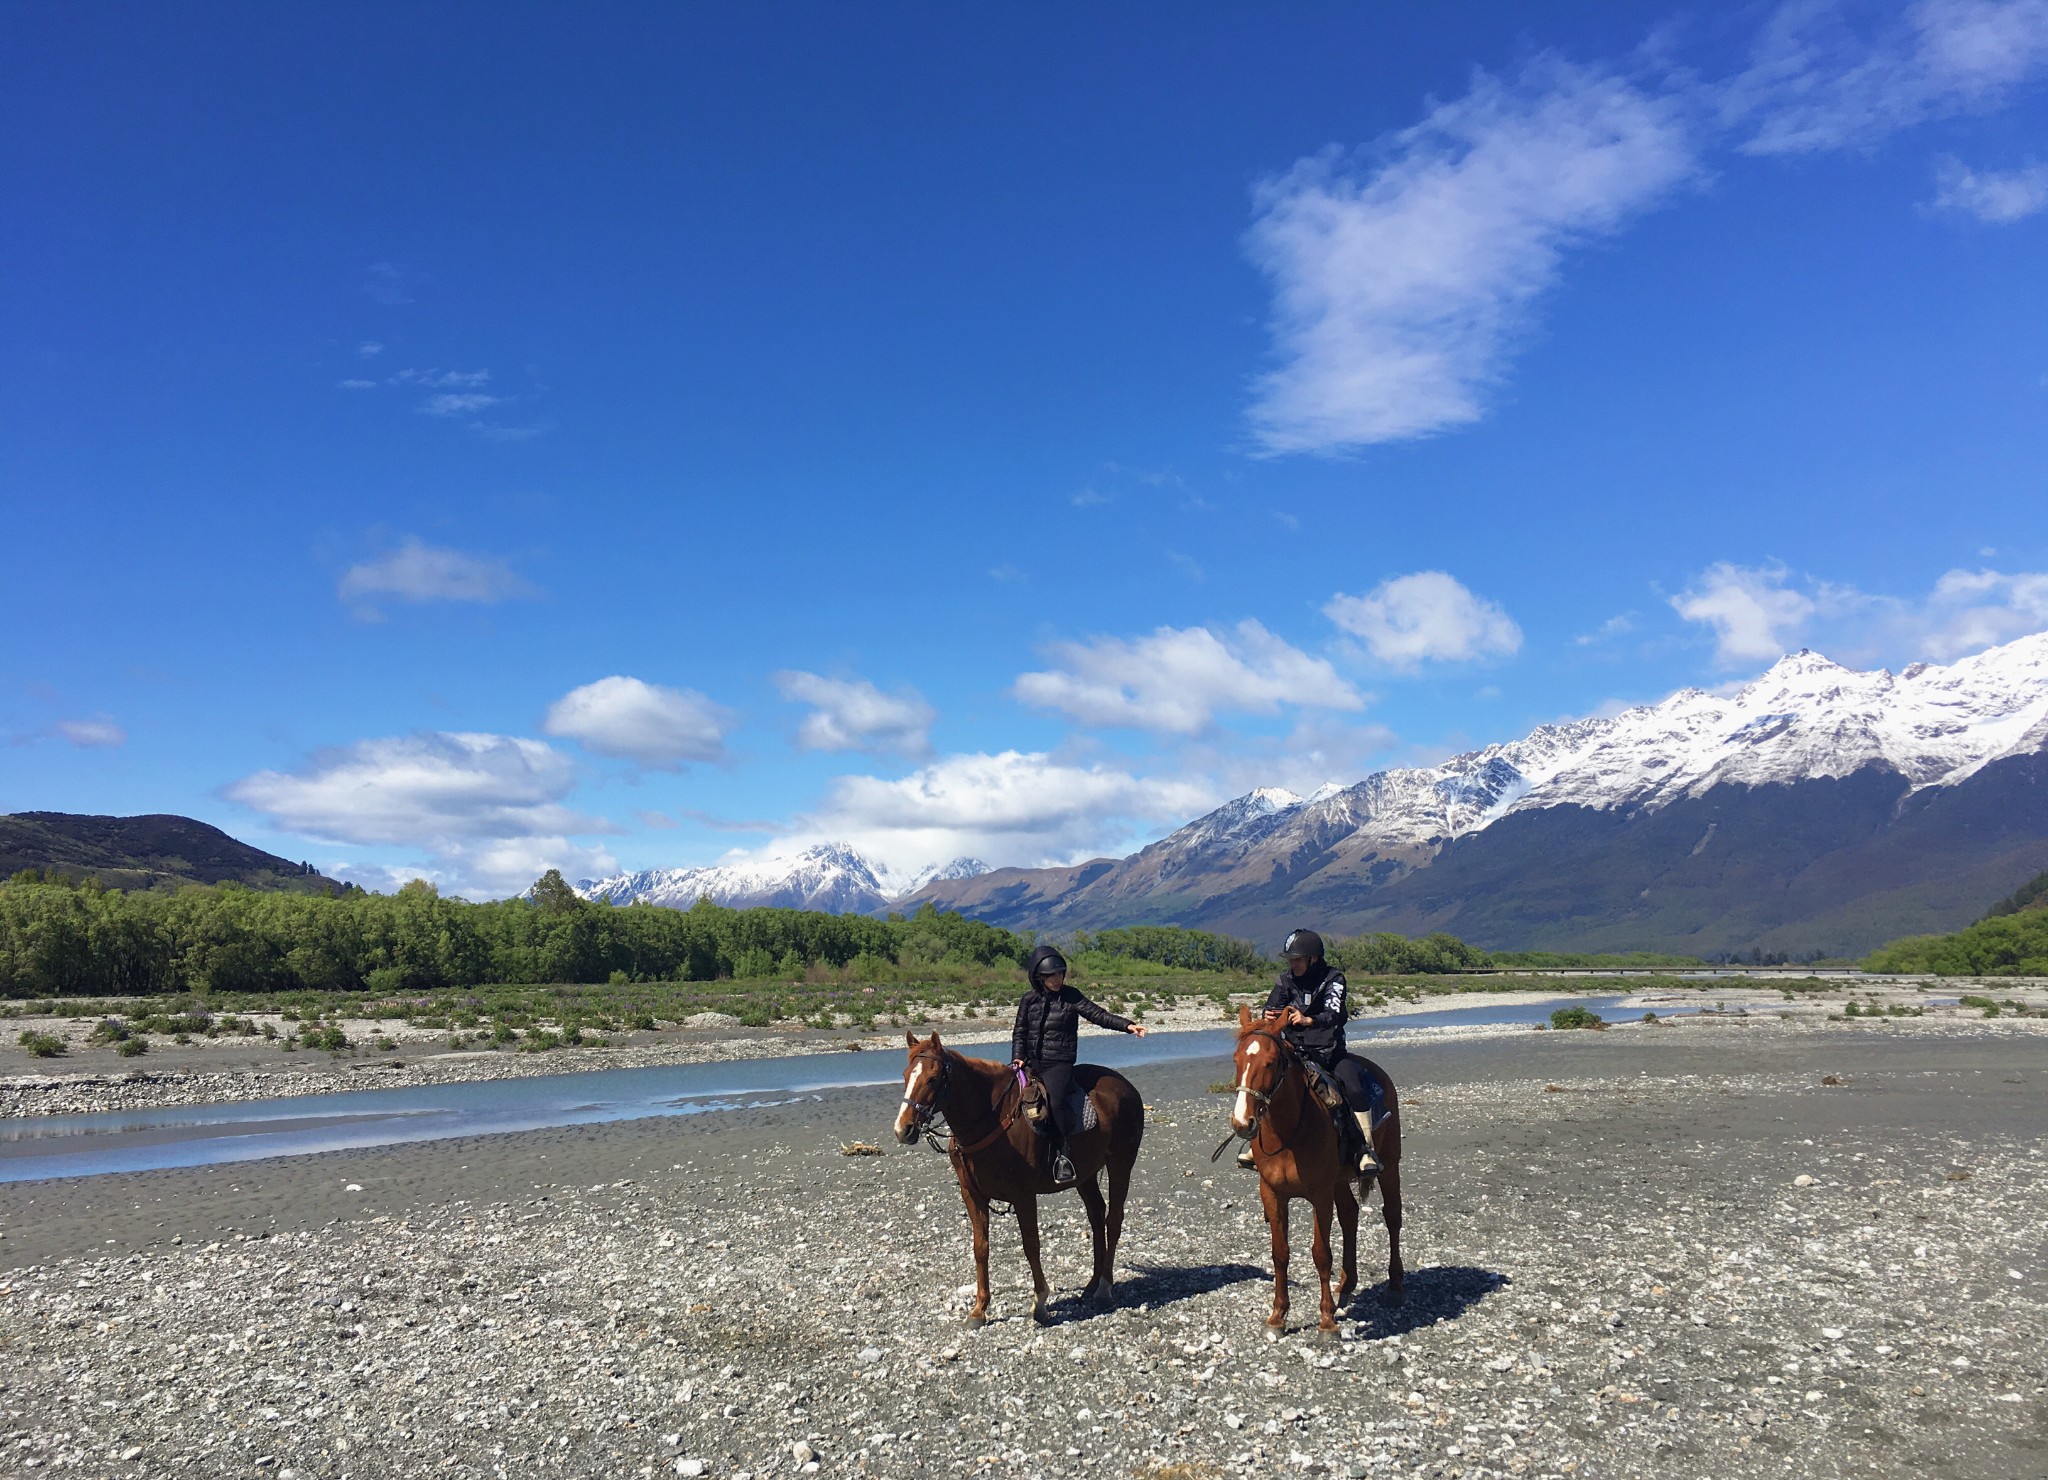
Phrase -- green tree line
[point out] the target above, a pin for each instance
(61, 937)
(65, 938)
(2001, 945)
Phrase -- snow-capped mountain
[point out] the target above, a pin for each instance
(1806, 724)
(941, 873)
(830, 876)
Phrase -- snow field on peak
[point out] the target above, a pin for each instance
(1806, 718)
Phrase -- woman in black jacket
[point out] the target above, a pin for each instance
(1047, 1040)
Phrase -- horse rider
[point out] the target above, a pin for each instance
(1046, 1039)
(1308, 1000)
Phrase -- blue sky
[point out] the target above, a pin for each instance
(461, 440)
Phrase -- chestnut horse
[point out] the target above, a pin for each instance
(1296, 1149)
(998, 1157)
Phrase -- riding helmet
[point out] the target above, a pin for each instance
(1303, 943)
(1043, 962)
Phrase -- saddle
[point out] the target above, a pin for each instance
(1037, 1105)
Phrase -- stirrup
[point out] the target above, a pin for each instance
(1368, 1164)
(1063, 1167)
(1244, 1158)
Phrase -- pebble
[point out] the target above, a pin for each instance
(1564, 1310)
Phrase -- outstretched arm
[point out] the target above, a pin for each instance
(1017, 1033)
(1102, 1017)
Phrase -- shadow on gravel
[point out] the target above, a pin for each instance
(1440, 1292)
(1156, 1285)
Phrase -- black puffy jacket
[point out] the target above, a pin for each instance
(1321, 995)
(1049, 1025)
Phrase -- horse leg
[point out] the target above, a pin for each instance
(1027, 1230)
(1119, 1194)
(1347, 1215)
(1098, 1234)
(1319, 1249)
(1390, 1210)
(977, 1219)
(1276, 1223)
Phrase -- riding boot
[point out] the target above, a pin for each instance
(1368, 1163)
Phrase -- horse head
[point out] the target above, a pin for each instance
(1263, 1059)
(924, 1087)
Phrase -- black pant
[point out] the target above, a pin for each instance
(1352, 1077)
(1065, 1105)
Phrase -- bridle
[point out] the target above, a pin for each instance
(922, 1116)
(1262, 1100)
(946, 1142)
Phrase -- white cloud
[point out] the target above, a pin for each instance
(91, 734)
(1998, 198)
(656, 726)
(1405, 275)
(852, 714)
(1619, 625)
(488, 809)
(1425, 617)
(1177, 680)
(1970, 610)
(1012, 807)
(1759, 613)
(369, 349)
(443, 380)
(1754, 611)
(417, 571)
(357, 385)
(457, 403)
(1816, 83)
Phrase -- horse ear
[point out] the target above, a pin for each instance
(935, 1039)
(1244, 1017)
(909, 1038)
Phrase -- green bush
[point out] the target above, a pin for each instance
(1576, 1017)
(42, 1045)
(129, 1048)
(108, 1030)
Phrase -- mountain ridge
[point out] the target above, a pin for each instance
(1361, 857)
(143, 852)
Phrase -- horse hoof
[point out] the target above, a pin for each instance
(977, 1321)
(1393, 1296)
(1277, 1323)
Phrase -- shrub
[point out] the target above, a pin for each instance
(129, 1048)
(108, 1030)
(42, 1045)
(331, 1039)
(1576, 1017)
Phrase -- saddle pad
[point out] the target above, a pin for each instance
(1089, 1119)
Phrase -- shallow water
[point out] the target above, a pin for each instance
(39, 1147)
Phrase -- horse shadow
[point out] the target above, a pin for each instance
(1156, 1285)
(1434, 1293)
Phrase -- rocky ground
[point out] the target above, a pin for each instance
(1729, 1248)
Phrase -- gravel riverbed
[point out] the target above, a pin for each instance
(1734, 1247)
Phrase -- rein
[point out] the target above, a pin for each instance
(922, 1116)
(1260, 1098)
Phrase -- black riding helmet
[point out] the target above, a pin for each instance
(1303, 943)
(1043, 962)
